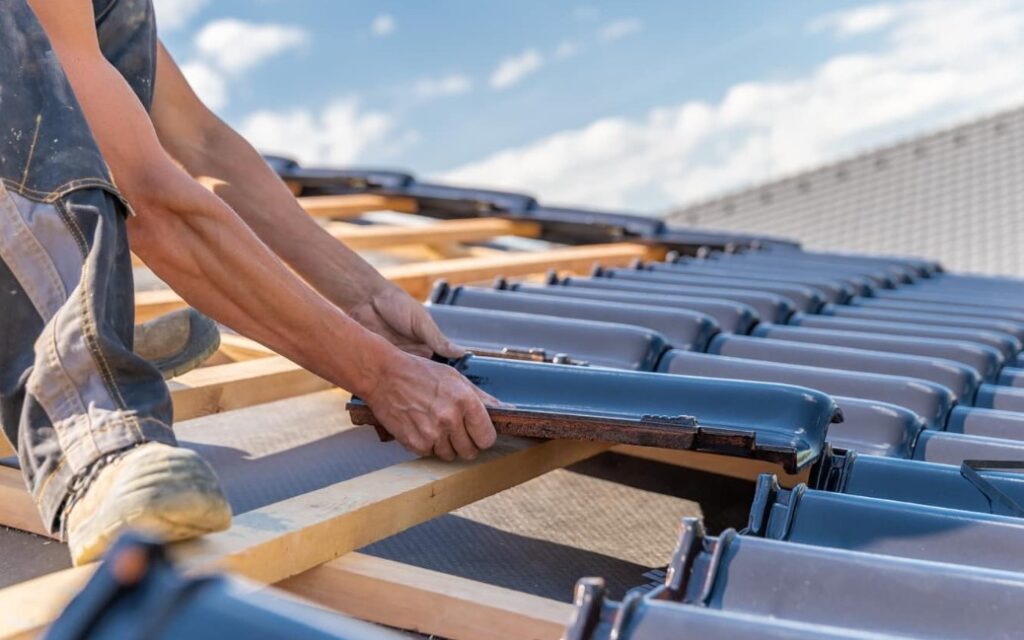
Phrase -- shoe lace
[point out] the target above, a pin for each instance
(80, 483)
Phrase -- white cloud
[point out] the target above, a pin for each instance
(207, 83)
(382, 25)
(566, 49)
(514, 68)
(174, 14)
(341, 134)
(235, 45)
(619, 29)
(449, 85)
(856, 21)
(937, 62)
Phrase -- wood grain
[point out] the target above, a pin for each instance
(427, 602)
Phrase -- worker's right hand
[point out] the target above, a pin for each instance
(431, 408)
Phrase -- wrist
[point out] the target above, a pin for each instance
(378, 287)
(377, 362)
(363, 288)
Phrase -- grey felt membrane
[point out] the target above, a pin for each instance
(24, 556)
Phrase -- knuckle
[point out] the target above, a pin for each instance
(417, 445)
(449, 416)
(431, 432)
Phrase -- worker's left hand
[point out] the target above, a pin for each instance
(393, 314)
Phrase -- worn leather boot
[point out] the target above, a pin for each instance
(165, 491)
(177, 342)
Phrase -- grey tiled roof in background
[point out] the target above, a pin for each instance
(956, 196)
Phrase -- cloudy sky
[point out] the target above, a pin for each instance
(640, 105)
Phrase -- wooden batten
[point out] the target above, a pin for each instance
(427, 602)
(417, 279)
(351, 206)
(151, 304)
(345, 206)
(733, 467)
(362, 237)
(16, 505)
(241, 384)
(239, 348)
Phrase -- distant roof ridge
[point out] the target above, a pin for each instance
(855, 156)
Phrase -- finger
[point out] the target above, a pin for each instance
(463, 444)
(445, 347)
(417, 350)
(488, 399)
(443, 449)
(418, 440)
(478, 424)
(416, 447)
(432, 336)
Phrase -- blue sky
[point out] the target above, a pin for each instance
(640, 105)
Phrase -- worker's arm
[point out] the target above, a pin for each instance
(209, 149)
(198, 245)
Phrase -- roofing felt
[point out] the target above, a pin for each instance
(955, 196)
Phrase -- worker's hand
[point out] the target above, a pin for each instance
(404, 322)
(431, 408)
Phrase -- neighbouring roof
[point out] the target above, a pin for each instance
(956, 196)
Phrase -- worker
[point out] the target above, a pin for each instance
(102, 144)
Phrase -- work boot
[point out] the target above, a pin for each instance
(177, 342)
(165, 491)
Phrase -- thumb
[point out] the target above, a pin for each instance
(445, 347)
(431, 335)
(491, 401)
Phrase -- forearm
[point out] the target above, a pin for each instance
(214, 261)
(244, 180)
(197, 244)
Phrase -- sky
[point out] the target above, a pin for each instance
(637, 105)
